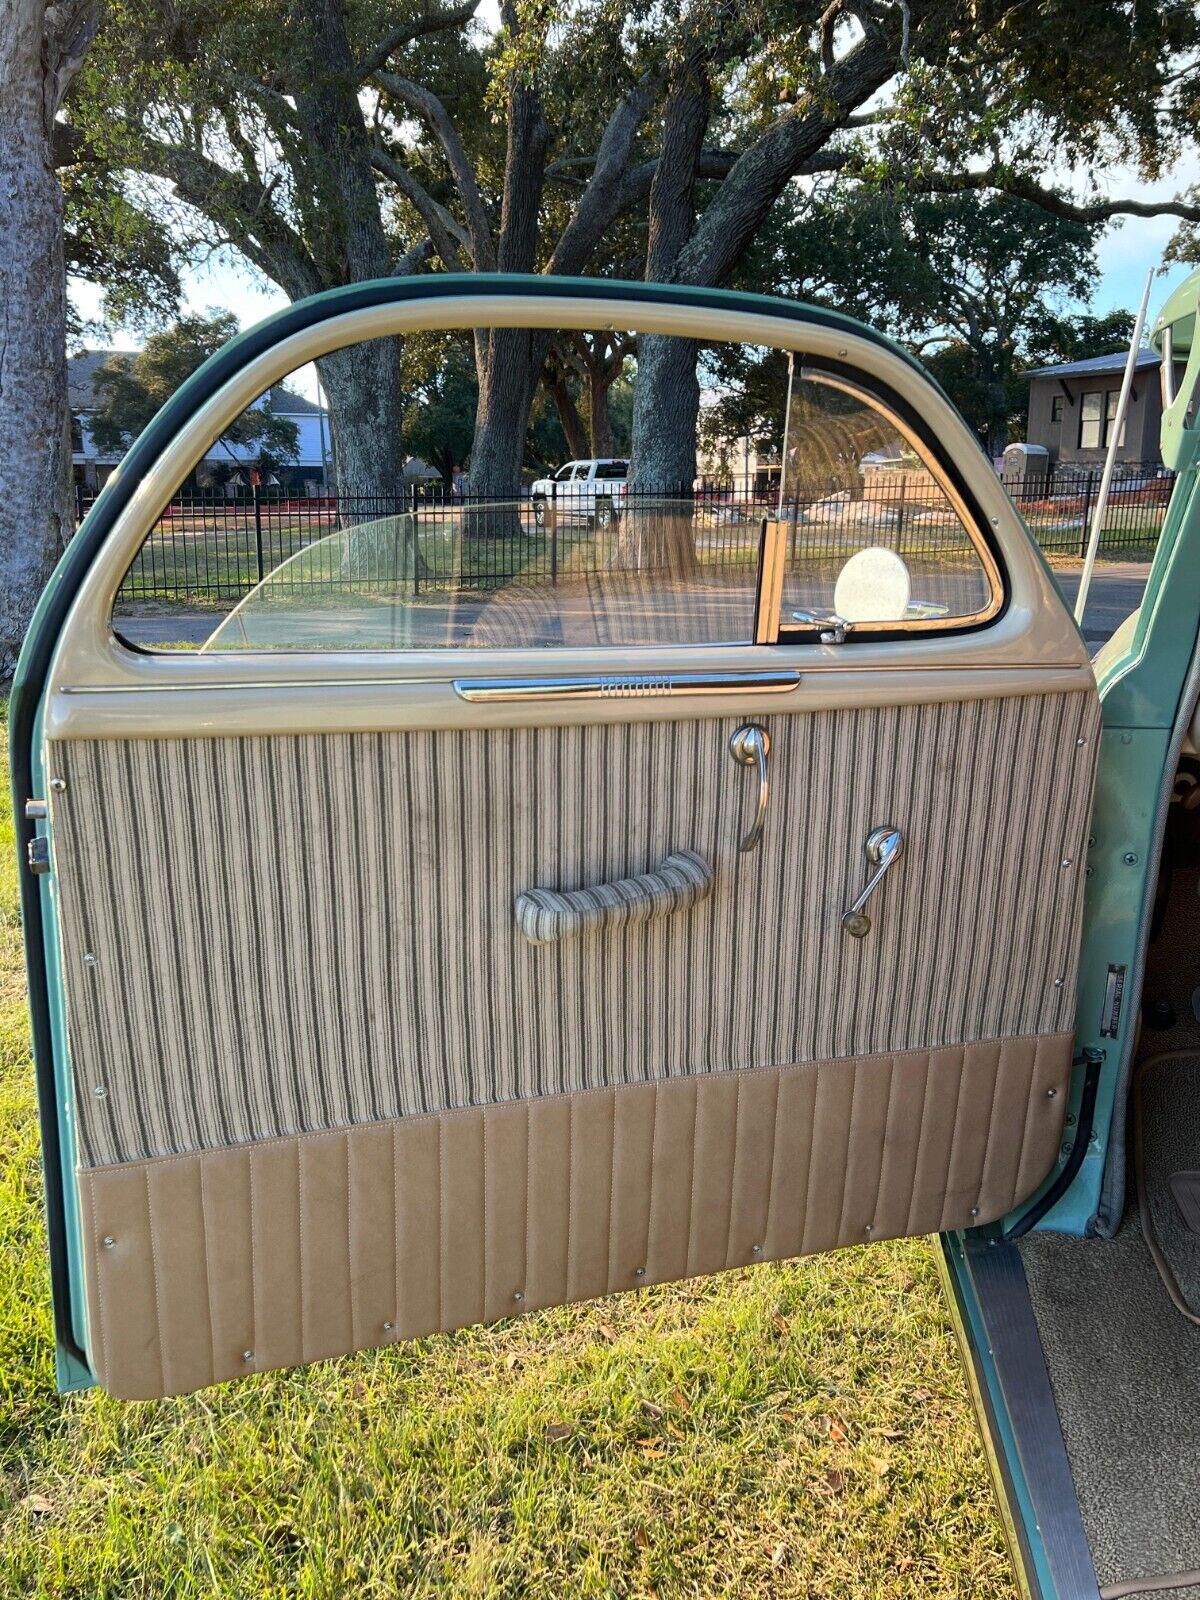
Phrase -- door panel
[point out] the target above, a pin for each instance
(341, 1090)
(291, 1249)
(286, 935)
(317, 1089)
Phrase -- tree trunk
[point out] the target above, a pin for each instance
(599, 384)
(348, 244)
(656, 529)
(35, 459)
(568, 414)
(366, 406)
(515, 358)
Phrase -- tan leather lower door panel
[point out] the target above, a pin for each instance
(209, 1266)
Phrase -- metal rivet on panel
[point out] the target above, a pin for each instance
(89, 959)
(1051, 1094)
(974, 1211)
(869, 1229)
(388, 1326)
(1080, 742)
(1130, 858)
(247, 1355)
(1065, 862)
(639, 1272)
(1058, 983)
(58, 785)
(109, 1241)
(756, 1249)
(99, 1091)
(518, 1297)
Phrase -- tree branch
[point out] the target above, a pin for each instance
(431, 20)
(68, 30)
(446, 234)
(602, 200)
(784, 150)
(429, 107)
(239, 205)
(1057, 204)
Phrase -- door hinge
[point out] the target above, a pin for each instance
(39, 856)
(36, 810)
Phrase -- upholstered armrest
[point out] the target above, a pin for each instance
(545, 916)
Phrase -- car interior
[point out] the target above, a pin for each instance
(1119, 1317)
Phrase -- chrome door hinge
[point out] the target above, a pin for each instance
(39, 855)
(36, 810)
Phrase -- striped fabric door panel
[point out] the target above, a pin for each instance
(273, 938)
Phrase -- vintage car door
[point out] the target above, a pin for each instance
(386, 983)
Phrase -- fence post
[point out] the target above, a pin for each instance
(554, 531)
(1085, 526)
(415, 547)
(554, 539)
(258, 544)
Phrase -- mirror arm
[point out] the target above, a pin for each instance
(835, 628)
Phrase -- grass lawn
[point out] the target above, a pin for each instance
(788, 1431)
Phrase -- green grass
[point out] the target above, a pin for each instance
(798, 1430)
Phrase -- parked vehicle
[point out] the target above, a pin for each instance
(608, 927)
(589, 492)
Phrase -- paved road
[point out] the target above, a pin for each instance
(1116, 591)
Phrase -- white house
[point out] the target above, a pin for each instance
(224, 464)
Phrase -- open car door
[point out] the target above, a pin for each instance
(417, 953)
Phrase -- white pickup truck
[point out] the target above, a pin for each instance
(591, 492)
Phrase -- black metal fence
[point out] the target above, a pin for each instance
(216, 549)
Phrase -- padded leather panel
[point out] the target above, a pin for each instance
(305, 1247)
(299, 933)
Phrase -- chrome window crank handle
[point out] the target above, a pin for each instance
(883, 846)
(750, 746)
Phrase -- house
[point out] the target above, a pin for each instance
(226, 466)
(89, 466)
(1073, 409)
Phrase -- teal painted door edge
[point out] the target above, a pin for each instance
(1143, 675)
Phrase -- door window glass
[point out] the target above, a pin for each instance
(400, 502)
(872, 533)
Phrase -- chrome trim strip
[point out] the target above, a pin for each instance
(629, 686)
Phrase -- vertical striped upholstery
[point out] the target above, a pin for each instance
(291, 958)
(300, 933)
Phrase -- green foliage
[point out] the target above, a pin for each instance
(125, 250)
(130, 392)
(439, 374)
(1055, 338)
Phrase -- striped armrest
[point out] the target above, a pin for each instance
(546, 916)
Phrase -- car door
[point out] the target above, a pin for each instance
(604, 926)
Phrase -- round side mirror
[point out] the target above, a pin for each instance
(873, 586)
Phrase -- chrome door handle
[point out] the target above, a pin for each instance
(750, 746)
(883, 846)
